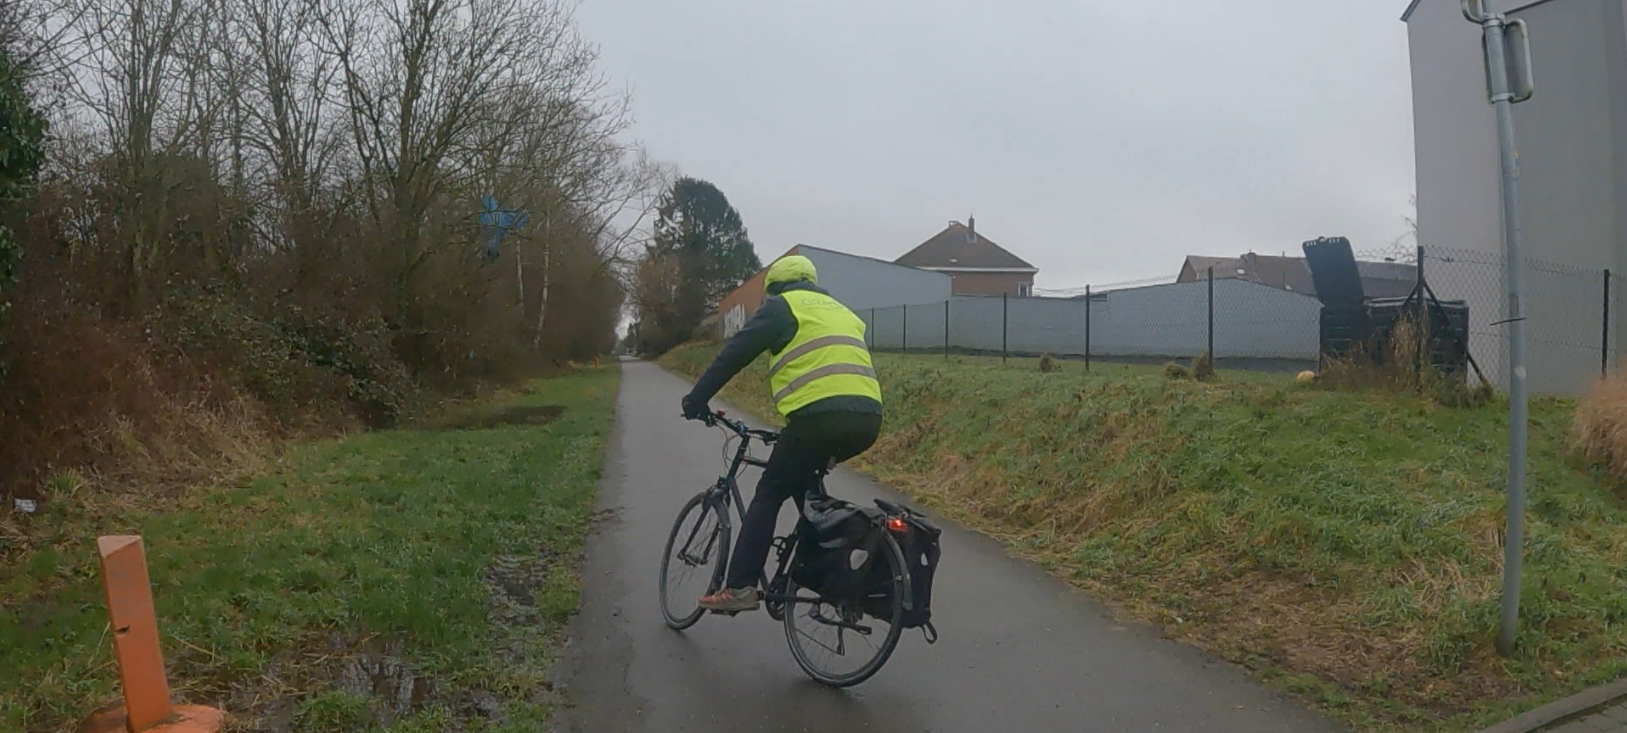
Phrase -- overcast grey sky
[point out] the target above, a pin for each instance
(1102, 141)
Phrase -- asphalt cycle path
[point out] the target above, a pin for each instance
(1019, 650)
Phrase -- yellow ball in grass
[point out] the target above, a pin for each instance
(1305, 377)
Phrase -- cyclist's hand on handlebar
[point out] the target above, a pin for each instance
(695, 409)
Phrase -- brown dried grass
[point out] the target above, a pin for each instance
(1601, 424)
(96, 398)
(1203, 367)
(1404, 369)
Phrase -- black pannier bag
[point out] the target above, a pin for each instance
(837, 547)
(920, 539)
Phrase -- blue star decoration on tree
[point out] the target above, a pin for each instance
(495, 222)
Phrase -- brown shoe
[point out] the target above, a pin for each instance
(732, 600)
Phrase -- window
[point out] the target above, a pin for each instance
(1024, 290)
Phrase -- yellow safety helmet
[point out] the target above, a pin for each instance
(786, 270)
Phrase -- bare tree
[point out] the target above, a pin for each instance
(340, 149)
(33, 32)
(419, 78)
(288, 93)
(136, 71)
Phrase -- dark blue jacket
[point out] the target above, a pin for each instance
(771, 329)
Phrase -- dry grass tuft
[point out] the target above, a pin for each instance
(110, 405)
(1601, 424)
(1203, 368)
(1404, 370)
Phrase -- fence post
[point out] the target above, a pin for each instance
(1005, 318)
(1087, 328)
(904, 340)
(1211, 351)
(1604, 341)
(870, 332)
(1422, 324)
(946, 330)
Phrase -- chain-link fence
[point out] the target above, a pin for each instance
(1243, 324)
(1569, 319)
(1269, 326)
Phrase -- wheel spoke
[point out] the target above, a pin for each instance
(828, 659)
(688, 555)
(821, 644)
(704, 540)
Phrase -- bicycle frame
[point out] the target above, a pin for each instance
(728, 487)
(854, 603)
(729, 483)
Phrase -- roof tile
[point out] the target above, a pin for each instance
(956, 246)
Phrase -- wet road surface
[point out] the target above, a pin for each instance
(1020, 651)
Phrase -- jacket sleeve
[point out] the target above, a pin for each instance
(772, 327)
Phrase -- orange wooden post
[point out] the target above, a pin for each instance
(146, 704)
(135, 630)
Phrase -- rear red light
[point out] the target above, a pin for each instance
(897, 524)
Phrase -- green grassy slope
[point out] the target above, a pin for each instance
(443, 556)
(1345, 545)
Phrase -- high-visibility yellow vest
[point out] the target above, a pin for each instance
(827, 358)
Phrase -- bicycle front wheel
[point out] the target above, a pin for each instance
(842, 643)
(692, 564)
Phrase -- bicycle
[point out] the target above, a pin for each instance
(695, 543)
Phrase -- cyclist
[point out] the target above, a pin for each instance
(823, 382)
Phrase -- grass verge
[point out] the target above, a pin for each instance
(411, 580)
(1344, 545)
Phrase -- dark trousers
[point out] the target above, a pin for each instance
(806, 447)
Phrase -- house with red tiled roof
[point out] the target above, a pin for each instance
(977, 265)
(1379, 279)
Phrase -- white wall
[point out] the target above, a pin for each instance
(1166, 321)
(861, 282)
(1570, 137)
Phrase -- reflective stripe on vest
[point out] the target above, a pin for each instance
(818, 343)
(827, 357)
(829, 370)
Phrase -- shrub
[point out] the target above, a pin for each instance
(1601, 424)
(1403, 369)
(170, 289)
(1203, 367)
(110, 401)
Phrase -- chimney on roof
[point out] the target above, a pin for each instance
(971, 228)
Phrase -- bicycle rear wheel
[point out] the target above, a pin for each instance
(838, 643)
(692, 563)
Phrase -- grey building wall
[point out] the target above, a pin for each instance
(1571, 138)
(1165, 321)
(863, 283)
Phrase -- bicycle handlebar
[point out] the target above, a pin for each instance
(719, 417)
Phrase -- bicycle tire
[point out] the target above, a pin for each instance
(717, 551)
(900, 581)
